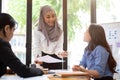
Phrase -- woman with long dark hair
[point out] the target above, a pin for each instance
(7, 56)
(98, 57)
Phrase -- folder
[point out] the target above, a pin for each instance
(71, 74)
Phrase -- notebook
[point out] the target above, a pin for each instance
(71, 74)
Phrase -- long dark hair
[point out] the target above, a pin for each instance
(6, 19)
(98, 38)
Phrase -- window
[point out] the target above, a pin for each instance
(78, 19)
(108, 11)
(18, 11)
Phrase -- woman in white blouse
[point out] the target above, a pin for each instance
(48, 38)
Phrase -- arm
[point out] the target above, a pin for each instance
(92, 73)
(2, 69)
(36, 45)
(59, 48)
(83, 60)
(99, 62)
(16, 65)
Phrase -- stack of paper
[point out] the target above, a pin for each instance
(44, 77)
(49, 59)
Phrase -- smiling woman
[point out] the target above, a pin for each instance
(48, 38)
(49, 18)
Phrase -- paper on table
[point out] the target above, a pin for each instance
(49, 59)
(44, 77)
(15, 77)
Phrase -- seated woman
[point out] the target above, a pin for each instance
(7, 57)
(97, 60)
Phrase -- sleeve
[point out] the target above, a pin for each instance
(83, 61)
(17, 66)
(59, 45)
(101, 58)
(36, 48)
(2, 69)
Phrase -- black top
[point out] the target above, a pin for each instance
(8, 58)
(52, 65)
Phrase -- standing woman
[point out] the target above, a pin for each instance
(7, 57)
(97, 60)
(48, 38)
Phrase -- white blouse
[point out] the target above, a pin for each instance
(40, 44)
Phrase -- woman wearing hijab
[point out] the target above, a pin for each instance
(48, 38)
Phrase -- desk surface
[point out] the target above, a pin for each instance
(44, 77)
(82, 77)
(51, 77)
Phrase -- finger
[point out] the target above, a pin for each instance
(73, 69)
(76, 66)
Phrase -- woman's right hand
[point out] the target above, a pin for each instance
(76, 68)
(63, 54)
(38, 62)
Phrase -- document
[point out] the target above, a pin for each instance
(44, 77)
(49, 59)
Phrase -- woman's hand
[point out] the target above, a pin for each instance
(38, 62)
(63, 54)
(92, 73)
(78, 68)
(45, 70)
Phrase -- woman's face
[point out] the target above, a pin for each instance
(49, 18)
(9, 33)
(87, 37)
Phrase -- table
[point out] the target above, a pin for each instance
(69, 78)
(51, 77)
(85, 76)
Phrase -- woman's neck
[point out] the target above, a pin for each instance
(2, 36)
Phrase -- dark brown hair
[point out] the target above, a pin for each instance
(6, 19)
(98, 37)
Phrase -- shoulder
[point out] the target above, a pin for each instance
(4, 43)
(99, 47)
(5, 48)
(37, 32)
(101, 50)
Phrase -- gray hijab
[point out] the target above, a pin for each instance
(51, 33)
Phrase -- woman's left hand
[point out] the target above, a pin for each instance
(64, 54)
(78, 68)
